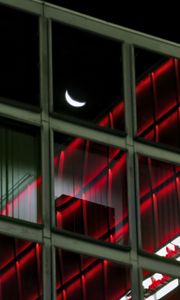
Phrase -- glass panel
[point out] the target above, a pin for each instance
(83, 277)
(90, 183)
(19, 56)
(87, 77)
(160, 207)
(20, 269)
(158, 98)
(160, 286)
(20, 180)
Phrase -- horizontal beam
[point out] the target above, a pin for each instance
(157, 152)
(88, 133)
(31, 6)
(21, 230)
(88, 248)
(157, 265)
(111, 30)
(98, 26)
(20, 114)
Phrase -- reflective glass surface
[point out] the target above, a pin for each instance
(19, 57)
(160, 207)
(20, 269)
(158, 98)
(90, 184)
(20, 179)
(84, 277)
(87, 77)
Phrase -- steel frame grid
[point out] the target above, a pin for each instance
(45, 234)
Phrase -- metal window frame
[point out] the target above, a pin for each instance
(45, 233)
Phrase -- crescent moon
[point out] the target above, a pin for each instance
(73, 102)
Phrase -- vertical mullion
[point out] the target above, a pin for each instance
(38, 268)
(47, 269)
(46, 197)
(44, 68)
(130, 122)
(45, 159)
(50, 65)
(53, 211)
(136, 281)
(138, 213)
(139, 239)
(128, 69)
(53, 250)
(129, 90)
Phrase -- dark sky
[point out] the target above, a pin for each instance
(145, 16)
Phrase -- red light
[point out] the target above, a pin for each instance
(74, 145)
(59, 219)
(105, 262)
(143, 84)
(104, 122)
(83, 286)
(157, 133)
(61, 163)
(164, 67)
(64, 295)
(113, 116)
(172, 252)
(111, 120)
(55, 161)
(177, 181)
(154, 197)
(111, 238)
(157, 282)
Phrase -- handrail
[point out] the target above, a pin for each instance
(22, 183)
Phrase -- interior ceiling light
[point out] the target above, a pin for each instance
(72, 101)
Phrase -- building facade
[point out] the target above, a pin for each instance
(89, 158)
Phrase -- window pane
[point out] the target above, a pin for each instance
(158, 98)
(19, 56)
(20, 180)
(21, 269)
(160, 286)
(83, 277)
(160, 207)
(88, 69)
(90, 184)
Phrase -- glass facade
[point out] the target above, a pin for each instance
(89, 179)
(19, 58)
(90, 182)
(159, 207)
(87, 77)
(158, 85)
(20, 190)
(84, 277)
(20, 269)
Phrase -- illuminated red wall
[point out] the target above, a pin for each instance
(90, 182)
(158, 104)
(158, 121)
(20, 269)
(160, 211)
(83, 277)
(90, 199)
